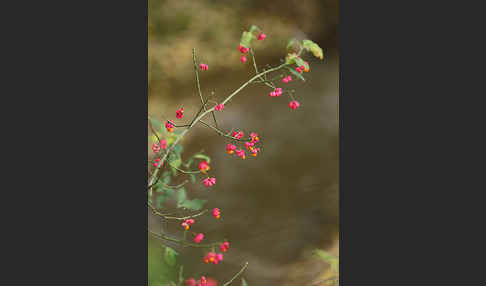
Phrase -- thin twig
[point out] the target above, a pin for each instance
(198, 86)
(181, 279)
(325, 280)
(154, 176)
(153, 131)
(166, 216)
(185, 172)
(236, 275)
(220, 132)
(263, 80)
(182, 242)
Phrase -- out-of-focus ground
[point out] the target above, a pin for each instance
(280, 206)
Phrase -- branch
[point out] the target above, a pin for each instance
(173, 217)
(185, 172)
(153, 130)
(153, 178)
(220, 132)
(263, 80)
(236, 275)
(184, 243)
(198, 86)
(325, 280)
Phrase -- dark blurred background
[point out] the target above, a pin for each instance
(280, 206)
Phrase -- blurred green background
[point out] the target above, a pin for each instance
(278, 208)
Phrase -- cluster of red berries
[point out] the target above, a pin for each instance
(287, 79)
(277, 92)
(187, 223)
(250, 145)
(294, 104)
(169, 125)
(302, 68)
(215, 258)
(204, 67)
(219, 107)
(157, 146)
(192, 282)
(157, 162)
(245, 50)
(208, 182)
(199, 237)
(204, 167)
(216, 213)
(224, 246)
(179, 113)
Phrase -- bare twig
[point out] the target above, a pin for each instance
(166, 216)
(325, 280)
(185, 172)
(236, 275)
(182, 242)
(263, 80)
(153, 178)
(220, 132)
(198, 85)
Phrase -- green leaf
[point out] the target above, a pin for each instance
(170, 193)
(290, 58)
(181, 197)
(176, 163)
(157, 125)
(293, 45)
(193, 178)
(335, 265)
(178, 149)
(188, 164)
(243, 282)
(300, 62)
(158, 187)
(154, 138)
(314, 48)
(295, 73)
(246, 39)
(324, 255)
(159, 201)
(166, 177)
(171, 138)
(195, 204)
(159, 272)
(254, 28)
(202, 156)
(170, 256)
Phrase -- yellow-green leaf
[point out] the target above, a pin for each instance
(314, 48)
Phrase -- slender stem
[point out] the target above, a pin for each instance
(325, 280)
(236, 275)
(153, 178)
(173, 217)
(153, 131)
(181, 278)
(198, 85)
(174, 187)
(220, 132)
(185, 172)
(184, 243)
(263, 80)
